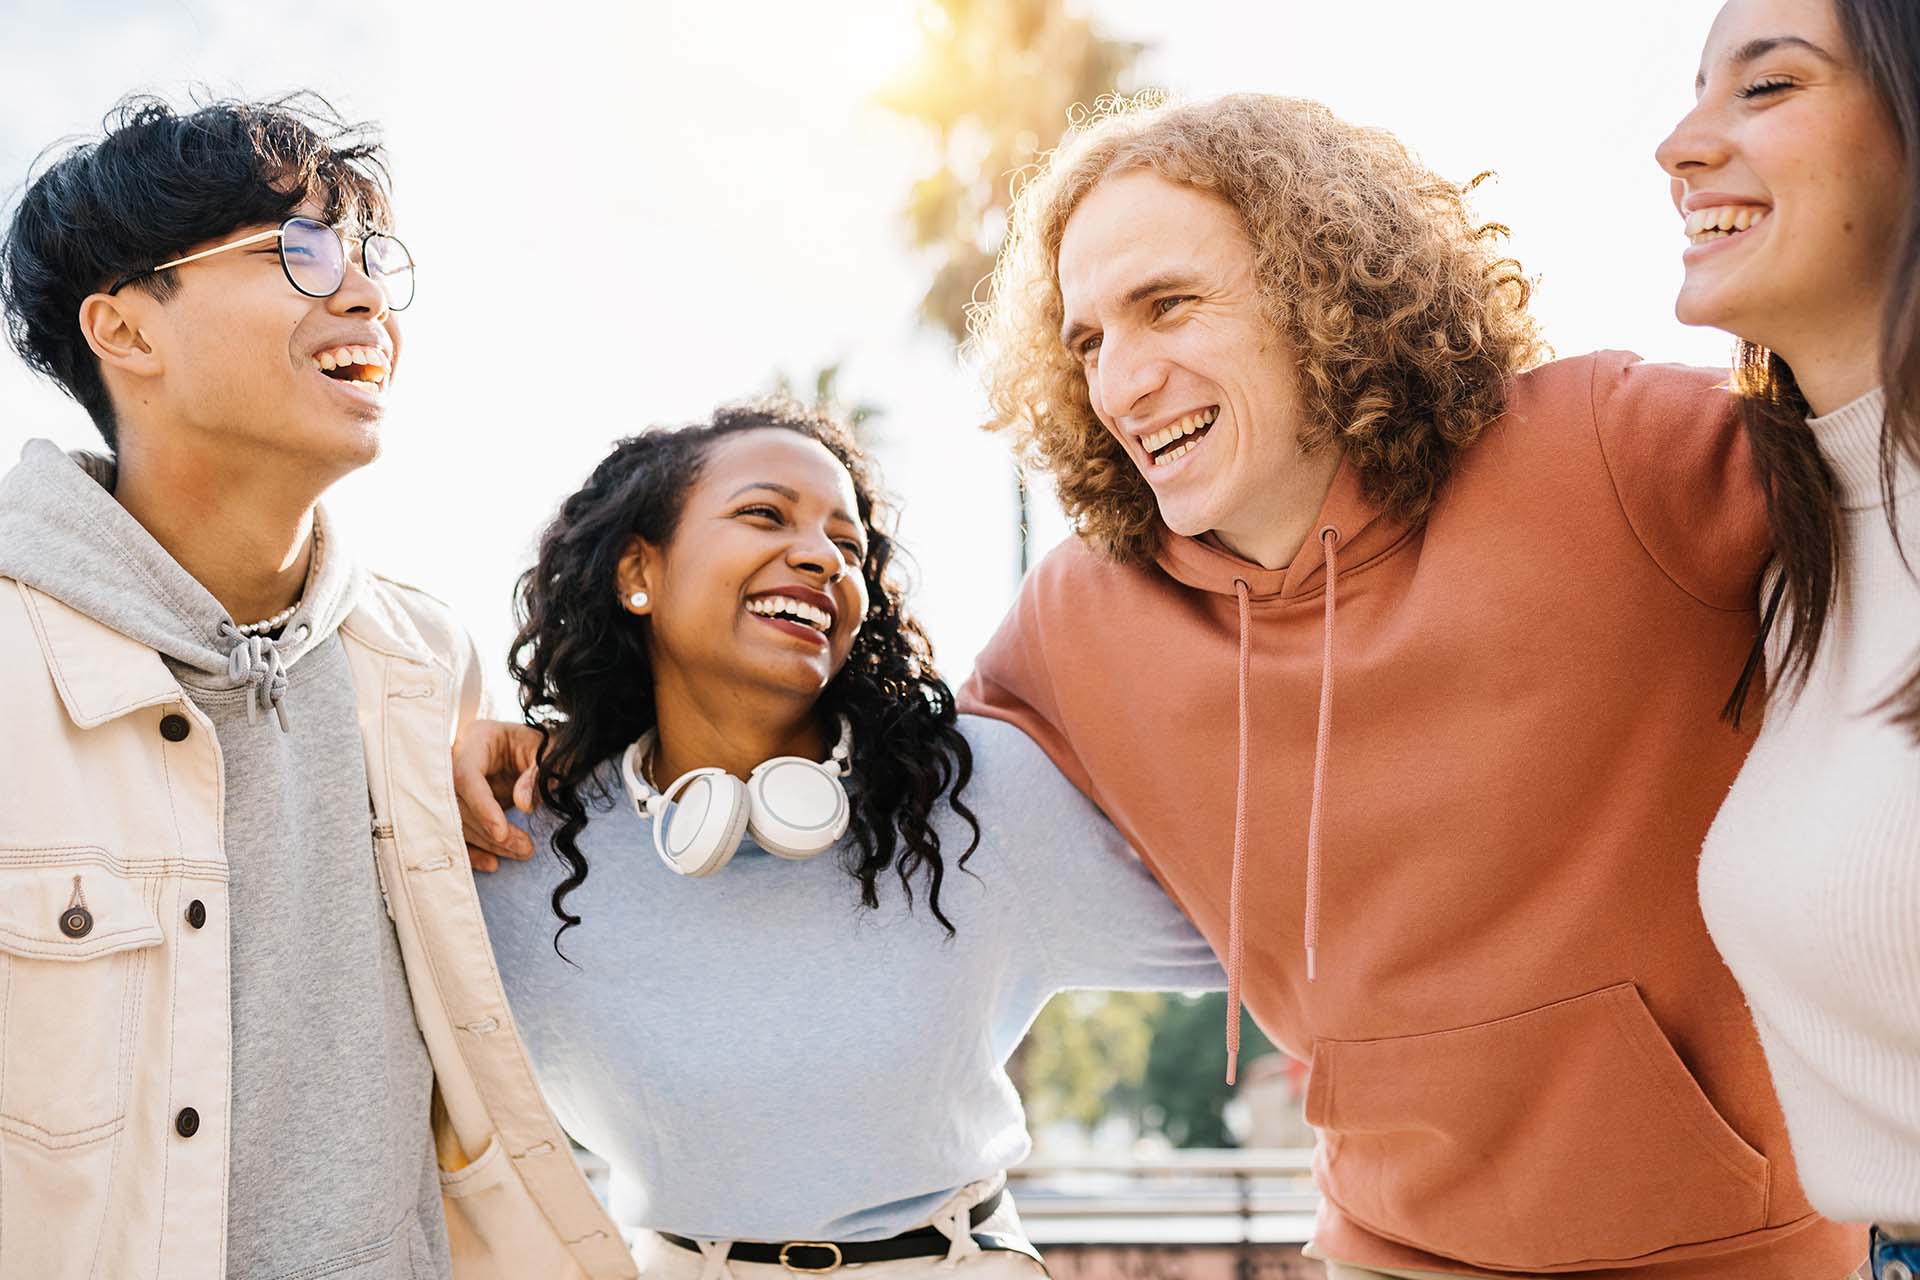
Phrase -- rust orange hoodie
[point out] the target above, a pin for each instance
(1470, 767)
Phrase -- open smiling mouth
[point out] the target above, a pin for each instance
(1176, 441)
(1723, 222)
(363, 367)
(796, 617)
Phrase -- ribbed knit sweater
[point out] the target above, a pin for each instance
(1810, 880)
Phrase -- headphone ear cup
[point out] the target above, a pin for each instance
(700, 834)
(799, 808)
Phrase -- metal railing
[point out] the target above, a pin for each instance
(1254, 1196)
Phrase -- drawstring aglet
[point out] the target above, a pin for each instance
(1309, 964)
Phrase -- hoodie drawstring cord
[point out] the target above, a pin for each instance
(255, 662)
(1323, 738)
(1243, 592)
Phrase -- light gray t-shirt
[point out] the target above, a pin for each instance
(759, 1057)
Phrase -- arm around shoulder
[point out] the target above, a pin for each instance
(1093, 908)
(1683, 472)
(1013, 680)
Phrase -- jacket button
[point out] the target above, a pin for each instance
(196, 913)
(174, 728)
(76, 922)
(187, 1123)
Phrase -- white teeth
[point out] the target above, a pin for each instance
(338, 356)
(1163, 459)
(800, 611)
(371, 362)
(1185, 427)
(1703, 225)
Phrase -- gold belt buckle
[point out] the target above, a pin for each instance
(797, 1269)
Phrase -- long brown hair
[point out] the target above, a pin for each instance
(1801, 506)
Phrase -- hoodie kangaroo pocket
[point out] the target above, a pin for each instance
(76, 937)
(1567, 1134)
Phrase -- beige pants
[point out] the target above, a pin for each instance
(964, 1261)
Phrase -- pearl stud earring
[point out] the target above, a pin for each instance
(637, 601)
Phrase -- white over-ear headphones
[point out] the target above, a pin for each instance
(795, 807)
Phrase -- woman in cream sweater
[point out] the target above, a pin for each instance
(1796, 174)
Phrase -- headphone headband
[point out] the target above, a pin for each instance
(789, 816)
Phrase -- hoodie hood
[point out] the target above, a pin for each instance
(1364, 530)
(62, 533)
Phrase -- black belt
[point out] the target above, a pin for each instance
(818, 1257)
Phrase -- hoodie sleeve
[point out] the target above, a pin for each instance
(1682, 471)
(1011, 680)
(1080, 903)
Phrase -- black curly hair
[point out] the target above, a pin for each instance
(587, 685)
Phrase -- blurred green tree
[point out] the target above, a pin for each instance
(1086, 1056)
(994, 83)
(1185, 1080)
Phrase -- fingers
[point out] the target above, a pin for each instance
(481, 816)
(523, 789)
(485, 823)
(481, 860)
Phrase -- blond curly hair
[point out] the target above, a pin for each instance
(1406, 319)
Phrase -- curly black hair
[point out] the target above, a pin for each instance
(156, 183)
(586, 683)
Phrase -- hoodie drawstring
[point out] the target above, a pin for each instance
(1243, 592)
(1323, 738)
(255, 661)
(1329, 542)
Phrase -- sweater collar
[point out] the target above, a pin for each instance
(1365, 531)
(1849, 440)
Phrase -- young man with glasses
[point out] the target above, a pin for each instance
(248, 1015)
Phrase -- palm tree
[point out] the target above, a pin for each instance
(994, 84)
(824, 394)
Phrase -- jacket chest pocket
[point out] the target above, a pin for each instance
(77, 945)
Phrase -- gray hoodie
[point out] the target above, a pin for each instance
(332, 1168)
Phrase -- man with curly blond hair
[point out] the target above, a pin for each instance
(1399, 656)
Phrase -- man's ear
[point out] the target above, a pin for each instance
(115, 327)
(637, 575)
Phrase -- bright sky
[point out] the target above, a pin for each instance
(627, 213)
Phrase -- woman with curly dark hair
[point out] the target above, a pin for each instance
(795, 1060)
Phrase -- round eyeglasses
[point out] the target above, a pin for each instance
(314, 256)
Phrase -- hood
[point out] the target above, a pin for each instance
(1364, 532)
(62, 533)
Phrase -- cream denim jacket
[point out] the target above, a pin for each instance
(113, 960)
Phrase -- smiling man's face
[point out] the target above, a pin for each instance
(1162, 310)
(254, 365)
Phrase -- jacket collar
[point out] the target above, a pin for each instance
(99, 673)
